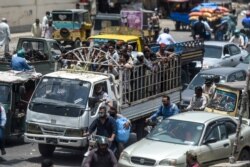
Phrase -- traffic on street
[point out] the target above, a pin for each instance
(106, 83)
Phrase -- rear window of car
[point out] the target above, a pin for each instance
(212, 52)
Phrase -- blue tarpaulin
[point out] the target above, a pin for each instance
(204, 5)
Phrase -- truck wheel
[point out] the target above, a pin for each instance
(46, 150)
(244, 155)
(77, 43)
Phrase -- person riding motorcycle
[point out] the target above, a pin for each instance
(237, 38)
(198, 101)
(101, 156)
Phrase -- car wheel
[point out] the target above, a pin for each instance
(244, 155)
(46, 150)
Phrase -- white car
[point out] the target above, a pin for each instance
(209, 135)
(226, 54)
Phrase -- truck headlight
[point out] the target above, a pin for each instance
(75, 132)
(33, 128)
(171, 162)
(124, 156)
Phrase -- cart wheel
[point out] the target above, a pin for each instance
(177, 25)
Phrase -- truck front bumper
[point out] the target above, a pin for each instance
(56, 140)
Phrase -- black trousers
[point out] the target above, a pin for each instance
(1, 138)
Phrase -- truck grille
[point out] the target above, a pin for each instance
(52, 131)
(143, 161)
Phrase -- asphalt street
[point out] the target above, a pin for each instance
(21, 154)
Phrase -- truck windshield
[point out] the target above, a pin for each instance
(177, 132)
(5, 94)
(223, 101)
(60, 96)
(63, 90)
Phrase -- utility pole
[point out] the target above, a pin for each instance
(244, 103)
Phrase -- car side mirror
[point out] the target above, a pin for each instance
(210, 140)
(184, 86)
(226, 56)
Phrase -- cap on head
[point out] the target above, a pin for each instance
(102, 141)
(237, 31)
(21, 53)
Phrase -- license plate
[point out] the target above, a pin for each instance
(51, 140)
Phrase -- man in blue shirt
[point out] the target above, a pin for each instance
(166, 110)
(18, 62)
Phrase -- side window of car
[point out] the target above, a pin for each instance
(223, 132)
(214, 133)
(240, 75)
(234, 50)
(230, 127)
(231, 77)
(226, 51)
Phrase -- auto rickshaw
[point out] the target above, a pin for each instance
(72, 26)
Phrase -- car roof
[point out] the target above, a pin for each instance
(235, 85)
(125, 38)
(217, 43)
(18, 76)
(221, 71)
(197, 116)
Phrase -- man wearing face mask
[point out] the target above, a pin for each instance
(48, 30)
(104, 125)
(101, 156)
(166, 110)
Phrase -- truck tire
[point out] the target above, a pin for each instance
(64, 32)
(46, 150)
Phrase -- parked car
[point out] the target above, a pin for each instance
(227, 74)
(225, 54)
(245, 63)
(209, 135)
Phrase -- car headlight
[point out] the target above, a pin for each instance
(33, 128)
(206, 66)
(124, 156)
(171, 162)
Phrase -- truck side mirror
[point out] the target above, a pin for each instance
(93, 101)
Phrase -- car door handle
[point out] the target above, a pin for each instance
(226, 144)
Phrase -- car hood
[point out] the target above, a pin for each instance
(211, 62)
(157, 150)
(243, 66)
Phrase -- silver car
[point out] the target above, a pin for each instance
(209, 135)
(222, 54)
(227, 74)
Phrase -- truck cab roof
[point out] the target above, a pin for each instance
(89, 76)
(18, 76)
(239, 85)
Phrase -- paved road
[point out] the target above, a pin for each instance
(27, 155)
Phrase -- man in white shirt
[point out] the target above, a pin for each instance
(208, 29)
(4, 36)
(36, 29)
(46, 19)
(2, 125)
(198, 101)
(237, 38)
(48, 30)
(165, 37)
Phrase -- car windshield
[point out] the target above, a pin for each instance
(212, 52)
(247, 59)
(63, 91)
(223, 100)
(177, 132)
(199, 80)
(5, 94)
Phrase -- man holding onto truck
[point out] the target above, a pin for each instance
(19, 63)
(166, 110)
